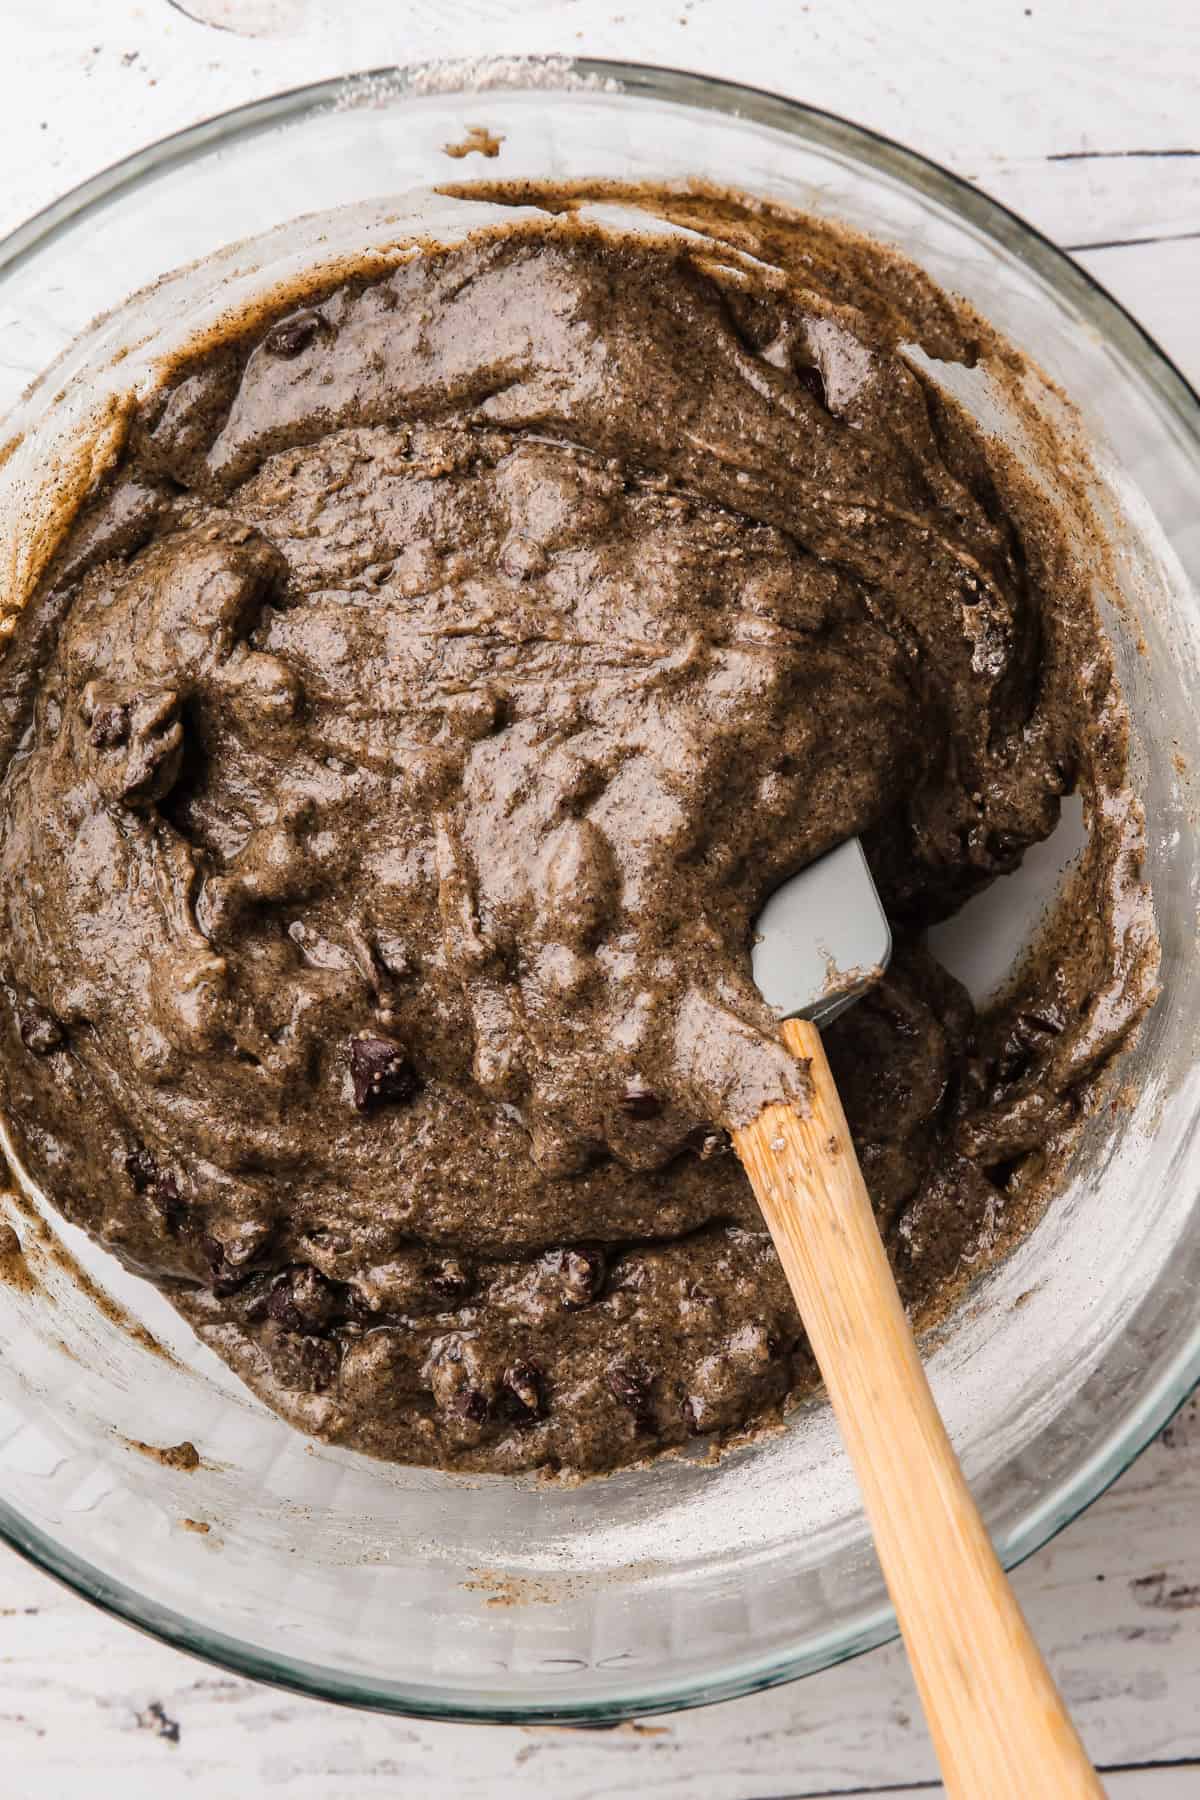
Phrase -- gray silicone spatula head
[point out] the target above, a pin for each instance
(822, 939)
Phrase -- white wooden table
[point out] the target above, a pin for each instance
(1085, 119)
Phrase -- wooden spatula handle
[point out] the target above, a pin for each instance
(999, 1726)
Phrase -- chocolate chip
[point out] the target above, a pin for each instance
(638, 1102)
(164, 1192)
(109, 727)
(450, 1279)
(141, 1169)
(280, 1308)
(223, 1278)
(473, 1404)
(813, 382)
(256, 1297)
(314, 1363)
(293, 335)
(521, 1390)
(381, 1073)
(162, 1187)
(632, 1383)
(582, 1275)
(302, 1300)
(40, 1031)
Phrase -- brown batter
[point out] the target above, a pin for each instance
(399, 750)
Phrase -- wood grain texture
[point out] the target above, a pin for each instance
(999, 1726)
(88, 1706)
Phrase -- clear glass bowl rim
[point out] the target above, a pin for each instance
(1055, 267)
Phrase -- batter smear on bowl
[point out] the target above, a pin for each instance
(399, 748)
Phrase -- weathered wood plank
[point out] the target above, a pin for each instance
(990, 91)
(1115, 1600)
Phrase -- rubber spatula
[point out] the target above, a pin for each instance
(998, 1724)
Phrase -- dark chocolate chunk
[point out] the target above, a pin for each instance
(813, 382)
(522, 1390)
(309, 1364)
(164, 1191)
(162, 1187)
(581, 1272)
(109, 727)
(381, 1074)
(473, 1404)
(223, 1279)
(302, 1300)
(451, 1279)
(141, 1169)
(632, 1383)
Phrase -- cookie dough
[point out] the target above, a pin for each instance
(398, 752)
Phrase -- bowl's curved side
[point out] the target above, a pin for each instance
(680, 1586)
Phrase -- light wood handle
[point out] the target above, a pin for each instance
(998, 1724)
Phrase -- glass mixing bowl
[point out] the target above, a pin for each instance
(404, 1589)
